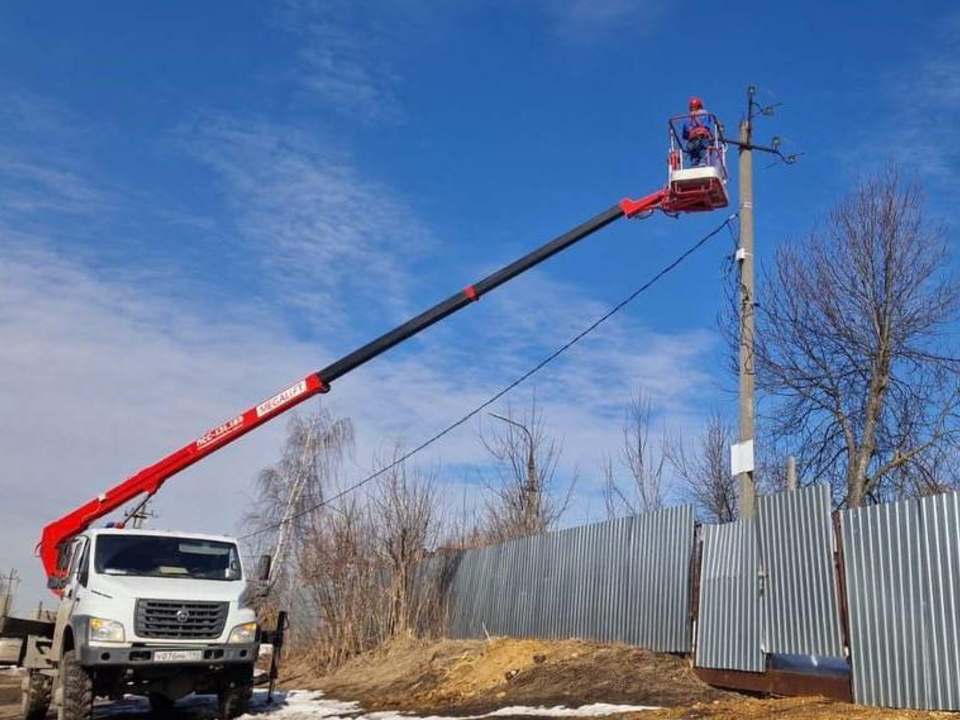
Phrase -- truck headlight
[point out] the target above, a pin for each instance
(243, 634)
(106, 631)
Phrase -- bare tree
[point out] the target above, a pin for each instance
(343, 584)
(851, 348)
(703, 467)
(643, 458)
(405, 504)
(349, 567)
(463, 525)
(310, 462)
(771, 469)
(521, 501)
(935, 471)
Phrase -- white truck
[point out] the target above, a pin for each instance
(160, 614)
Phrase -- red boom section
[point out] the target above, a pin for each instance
(148, 481)
(660, 200)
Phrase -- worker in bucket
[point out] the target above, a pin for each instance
(697, 133)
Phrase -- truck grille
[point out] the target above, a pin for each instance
(173, 619)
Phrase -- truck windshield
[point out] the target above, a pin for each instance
(157, 556)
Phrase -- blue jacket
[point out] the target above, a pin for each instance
(699, 119)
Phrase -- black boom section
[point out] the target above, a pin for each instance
(463, 298)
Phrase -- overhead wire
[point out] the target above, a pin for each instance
(510, 386)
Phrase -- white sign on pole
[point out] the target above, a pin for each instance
(741, 457)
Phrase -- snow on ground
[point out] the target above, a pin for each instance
(595, 710)
(302, 705)
(305, 705)
(308, 705)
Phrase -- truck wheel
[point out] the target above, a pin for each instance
(236, 693)
(76, 702)
(161, 705)
(35, 695)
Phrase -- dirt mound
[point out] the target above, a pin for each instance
(458, 677)
(479, 676)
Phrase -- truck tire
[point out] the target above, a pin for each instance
(160, 705)
(236, 692)
(76, 702)
(36, 690)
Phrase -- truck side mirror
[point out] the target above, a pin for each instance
(263, 569)
(54, 582)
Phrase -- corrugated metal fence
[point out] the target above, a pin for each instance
(728, 632)
(768, 585)
(903, 577)
(622, 580)
(940, 516)
(801, 609)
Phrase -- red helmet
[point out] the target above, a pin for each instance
(695, 104)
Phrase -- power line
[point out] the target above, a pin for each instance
(511, 386)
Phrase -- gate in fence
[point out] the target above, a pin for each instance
(800, 599)
(768, 584)
(728, 631)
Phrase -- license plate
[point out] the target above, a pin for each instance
(177, 655)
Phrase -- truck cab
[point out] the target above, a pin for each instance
(160, 614)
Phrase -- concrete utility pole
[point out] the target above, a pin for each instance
(742, 459)
(791, 473)
(745, 480)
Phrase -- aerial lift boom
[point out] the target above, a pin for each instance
(690, 192)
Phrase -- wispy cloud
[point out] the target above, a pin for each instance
(541, 312)
(38, 172)
(323, 233)
(50, 188)
(923, 100)
(29, 187)
(584, 21)
(342, 52)
(349, 49)
(29, 115)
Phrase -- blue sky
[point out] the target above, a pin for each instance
(199, 203)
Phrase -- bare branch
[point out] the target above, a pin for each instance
(644, 460)
(703, 468)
